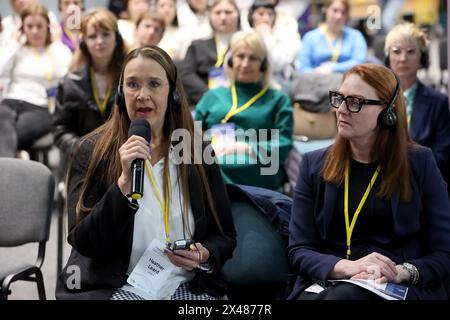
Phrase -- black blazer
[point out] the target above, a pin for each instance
(421, 233)
(430, 125)
(102, 240)
(200, 57)
(76, 112)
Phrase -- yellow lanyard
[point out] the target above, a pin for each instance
(101, 105)
(49, 74)
(70, 34)
(234, 108)
(349, 228)
(164, 206)
(336, 49)
(220, 54)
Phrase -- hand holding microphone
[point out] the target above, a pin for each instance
(133, 154)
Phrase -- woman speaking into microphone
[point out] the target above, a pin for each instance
(170, 243)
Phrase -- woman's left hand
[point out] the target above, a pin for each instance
(371, 274)
(189, 259)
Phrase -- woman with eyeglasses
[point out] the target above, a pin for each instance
(373, 206)
(427, 110)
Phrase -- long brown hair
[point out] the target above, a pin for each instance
(101, 19)
(37, 10)
(390, 147)
(109, 137)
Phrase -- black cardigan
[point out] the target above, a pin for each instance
(102, 240)
(76, 112)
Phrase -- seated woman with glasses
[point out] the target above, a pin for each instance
(427, 110)
(373, 206)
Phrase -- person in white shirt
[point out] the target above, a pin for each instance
(149, 30)
(124, 245)
(127, 26)
(33, 69)
(194, 16)
(176, 40)
(283, 46)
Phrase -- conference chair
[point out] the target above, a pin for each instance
(26, 195)
(259, 266)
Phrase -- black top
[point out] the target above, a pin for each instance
(375, 217)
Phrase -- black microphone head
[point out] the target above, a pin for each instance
(140, 127)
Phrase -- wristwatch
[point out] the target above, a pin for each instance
(207, 266)
(413, 272)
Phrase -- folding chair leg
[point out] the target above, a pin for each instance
(40, 285)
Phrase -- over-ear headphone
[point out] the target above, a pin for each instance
(387, 118)
(262, 68)
(424, 60)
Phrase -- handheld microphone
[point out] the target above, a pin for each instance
(138, 127)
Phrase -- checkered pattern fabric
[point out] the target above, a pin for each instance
(120, 294)
(182, 293)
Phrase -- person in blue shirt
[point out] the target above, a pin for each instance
(332, 47)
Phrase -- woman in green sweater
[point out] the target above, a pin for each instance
(249, 123)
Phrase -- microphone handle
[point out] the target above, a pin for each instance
(137, 179)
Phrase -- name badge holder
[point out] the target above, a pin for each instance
(223, 134)
(152, 272)
(216, 77)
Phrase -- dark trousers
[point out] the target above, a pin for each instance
(8, 136)
(346, 291)
(30, 122)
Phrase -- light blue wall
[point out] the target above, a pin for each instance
(52, 5)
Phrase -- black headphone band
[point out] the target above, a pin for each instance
(396, 91)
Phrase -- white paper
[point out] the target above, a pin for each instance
(388, 290)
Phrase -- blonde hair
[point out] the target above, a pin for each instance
(252, 40)
(407, 31)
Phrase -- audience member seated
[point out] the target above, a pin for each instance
(427, 110)
(135, 8)
(332, 47)
(86, 94)
(70, 30)
(149, 29)
(373, 206)
(250, 124)
(283, 46)
(33, 68)
(193, 15)
(113, 236)
(202, 68)
(175, 40)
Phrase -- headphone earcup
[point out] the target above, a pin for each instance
(386, 61)
(120, 99)
(83, 47)
(387, 119)
(264, 64)
(230, 62)
(424, 60)
(176, 98)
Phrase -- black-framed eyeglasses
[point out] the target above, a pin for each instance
(354, 104)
